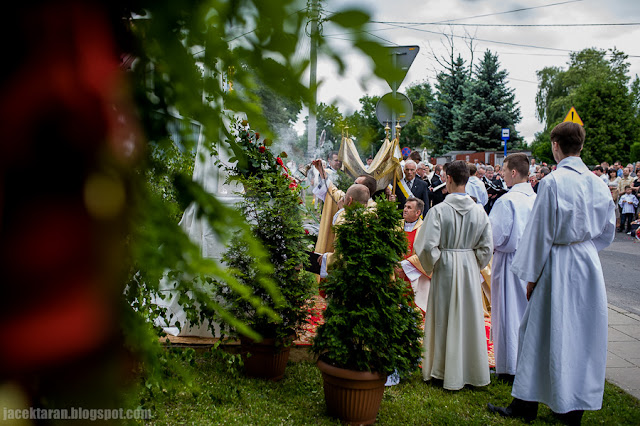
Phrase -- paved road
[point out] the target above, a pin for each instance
(621, 266)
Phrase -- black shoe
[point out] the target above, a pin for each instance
(572, 418)
(507, 378)
(526, 410)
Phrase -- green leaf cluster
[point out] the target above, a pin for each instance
(597, 84)
(371, 323)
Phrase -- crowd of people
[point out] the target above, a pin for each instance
(539, 228)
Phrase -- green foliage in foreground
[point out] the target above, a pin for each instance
(222, 396)
(370, 323)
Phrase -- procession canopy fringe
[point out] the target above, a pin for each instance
(384, 167)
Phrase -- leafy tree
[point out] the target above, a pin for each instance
(270, 202)
(488, 106)
(365, 127)
(611, 126)
(541, 146)
(415, 132)
(596, 83)
(450, 94)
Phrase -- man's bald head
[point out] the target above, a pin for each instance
(358, 193)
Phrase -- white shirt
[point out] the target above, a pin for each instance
(605, 178)
(477, 190)
(408, 226)
(628, 202)
(320, 186)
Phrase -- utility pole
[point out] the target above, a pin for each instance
(314, 18)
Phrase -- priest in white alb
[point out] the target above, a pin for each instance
(509, 217)
(453, 245)
(562, 349)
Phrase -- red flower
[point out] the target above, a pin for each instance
(293, 185)
(306, 231)
(279, 161)
(257, 136)
(262, 149)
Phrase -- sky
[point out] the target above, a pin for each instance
(522, 50)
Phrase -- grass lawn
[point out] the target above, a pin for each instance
(222, 395)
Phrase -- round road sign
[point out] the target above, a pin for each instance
(387, 105)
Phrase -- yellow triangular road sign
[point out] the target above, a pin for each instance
(573, 117)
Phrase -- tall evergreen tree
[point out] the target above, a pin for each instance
(488, 106)
(449, 86)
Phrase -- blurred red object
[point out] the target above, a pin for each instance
(66, 122)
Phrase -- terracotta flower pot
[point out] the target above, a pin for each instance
(352, 396)
(267, 361)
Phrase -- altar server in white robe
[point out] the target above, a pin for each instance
(454, 244)
(508, 217)
(562, 349)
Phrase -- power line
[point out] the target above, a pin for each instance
(383, 39)
(253, 30)
(448, 21)
(567, 51)
(525, 81)
(484, 40)
(515, 25)
(522, 9)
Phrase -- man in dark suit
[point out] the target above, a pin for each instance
(494, 186)
(437, 196)
(423, 172)
(413, 186)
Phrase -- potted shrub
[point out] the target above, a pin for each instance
(371, 326)
(270, 203)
